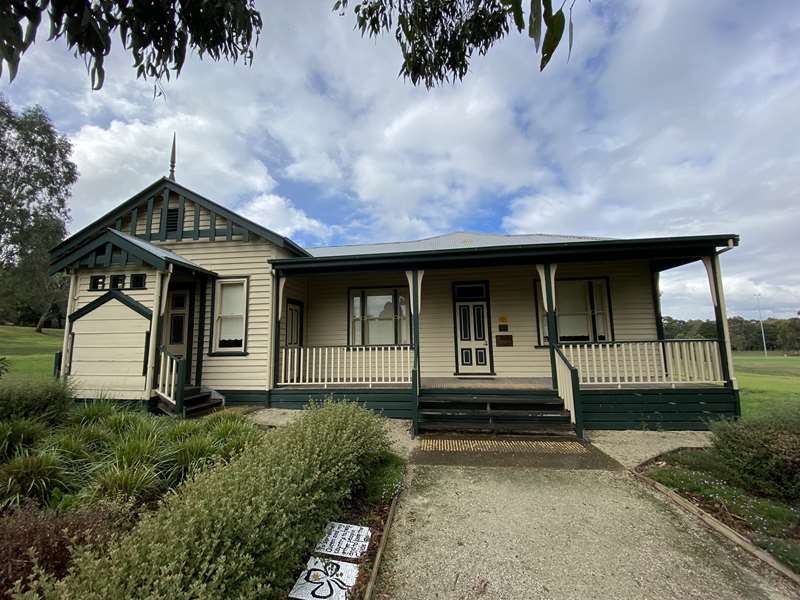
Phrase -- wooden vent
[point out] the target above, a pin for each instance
(172, 219)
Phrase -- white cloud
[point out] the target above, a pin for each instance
(671, 118)
(278, 214)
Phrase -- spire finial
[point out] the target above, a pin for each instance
(172, 160)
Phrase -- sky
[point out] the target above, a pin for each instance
(670, 118)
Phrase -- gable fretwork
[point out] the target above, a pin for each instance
(168, 211)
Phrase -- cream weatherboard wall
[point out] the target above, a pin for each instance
(107, 352)
(236, 258)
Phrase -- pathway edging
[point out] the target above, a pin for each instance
(720, 527)
(379, 554)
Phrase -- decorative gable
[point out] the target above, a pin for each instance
(168, 211)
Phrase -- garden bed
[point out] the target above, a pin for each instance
(700, 476)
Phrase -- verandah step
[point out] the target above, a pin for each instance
(534, 428)
(547, 401)
(544, 415)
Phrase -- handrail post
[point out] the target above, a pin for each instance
(179, 385)
(576, 401)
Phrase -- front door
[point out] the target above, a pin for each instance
(472, 329)
(176, 321)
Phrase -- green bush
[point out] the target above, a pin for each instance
(242, 530)
(18, 434)
(135, 482)
(32, 475)
(49, 400)
(94, 411)
(762, 454)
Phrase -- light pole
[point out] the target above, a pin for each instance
(761, 322)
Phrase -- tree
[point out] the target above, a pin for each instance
(36, 176)
(157, 34)
(439, 37)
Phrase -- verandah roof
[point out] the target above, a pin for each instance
(663, 252)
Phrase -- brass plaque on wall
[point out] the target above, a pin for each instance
(503, 340)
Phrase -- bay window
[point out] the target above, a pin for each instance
(581, 310)
(379, 317)
(230, 308)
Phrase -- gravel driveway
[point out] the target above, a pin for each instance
(465, 532)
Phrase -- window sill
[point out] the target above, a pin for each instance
(224, 353)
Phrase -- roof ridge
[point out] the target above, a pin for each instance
(441, 235)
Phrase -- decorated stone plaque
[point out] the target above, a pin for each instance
(325, 579)
(344, 540)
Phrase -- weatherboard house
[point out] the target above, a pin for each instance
(181, 302)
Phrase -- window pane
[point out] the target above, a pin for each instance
(117, 282)
(232, 301)
(178, 301)
(355, 319)
(176, 329)
(379, 318)
(231, 332)
(470, 292)
(404, 318)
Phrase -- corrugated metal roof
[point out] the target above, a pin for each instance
(451, 241)
(160, 252)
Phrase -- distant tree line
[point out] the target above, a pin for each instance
(782, 335)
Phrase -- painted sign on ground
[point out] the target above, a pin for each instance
(344, 540)
(325, 579)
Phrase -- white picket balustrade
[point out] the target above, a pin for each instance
(670, 362)
(354, 365)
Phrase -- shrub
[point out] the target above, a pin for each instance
(31, 475)
(46, 536)
(191, 454)
(762, 454)
(241, 530)
(94, 411)
(231, 431)
(19, 433)
(134, 482)
(49, 400)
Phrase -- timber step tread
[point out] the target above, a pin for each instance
(195, 398)
(196, 408)
(531, 427)
(547, 415)
(554, 401)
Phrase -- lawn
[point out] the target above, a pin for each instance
(30, 354)
(768, 384)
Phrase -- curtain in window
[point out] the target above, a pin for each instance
(231, 314)
(379, 317)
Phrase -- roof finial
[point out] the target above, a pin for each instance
(172, 159)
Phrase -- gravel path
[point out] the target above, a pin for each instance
(632, 448)
(527, 533)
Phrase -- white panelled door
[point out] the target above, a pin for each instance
(472, 337)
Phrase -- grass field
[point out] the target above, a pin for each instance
(768, 384)
(30, 354)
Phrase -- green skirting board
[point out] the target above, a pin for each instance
(393, 403)
(665, 409)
